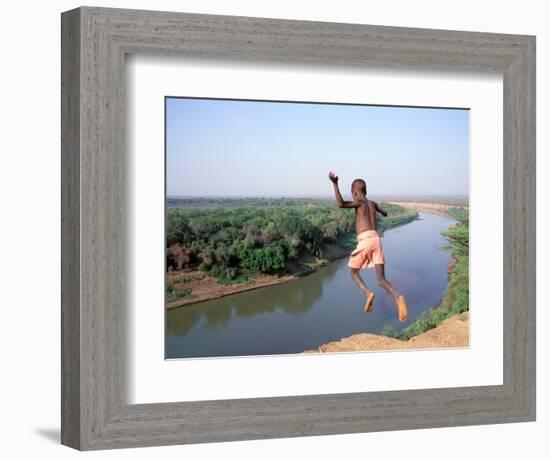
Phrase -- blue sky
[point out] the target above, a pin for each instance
(251, 148)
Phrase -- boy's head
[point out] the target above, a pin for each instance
(359, 188)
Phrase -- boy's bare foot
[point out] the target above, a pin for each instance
(369, 303)
(402, 310)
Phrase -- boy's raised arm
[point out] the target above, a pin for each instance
(339, 199)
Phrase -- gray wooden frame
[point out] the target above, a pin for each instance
(95, 413)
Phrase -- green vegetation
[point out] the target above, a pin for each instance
(173, 293)
(456, 297)
(237, 239)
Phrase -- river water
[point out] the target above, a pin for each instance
(319, 308)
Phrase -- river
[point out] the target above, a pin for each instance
(319, 308)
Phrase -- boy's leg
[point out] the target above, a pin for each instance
(363, 287)
(399, 299)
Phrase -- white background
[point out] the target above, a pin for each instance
(155, 380)
(30, 246)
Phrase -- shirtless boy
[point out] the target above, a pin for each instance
(369, 251)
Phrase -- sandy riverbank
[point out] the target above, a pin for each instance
(451, 333)
(205, 287)
(437, 208)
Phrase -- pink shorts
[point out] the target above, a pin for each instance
(368, 252)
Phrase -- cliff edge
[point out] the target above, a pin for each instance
(451, 333)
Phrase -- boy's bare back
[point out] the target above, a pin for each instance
(365, 216)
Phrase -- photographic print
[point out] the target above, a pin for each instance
(309, 227)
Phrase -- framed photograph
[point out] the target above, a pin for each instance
(254, 253)
(277, 228)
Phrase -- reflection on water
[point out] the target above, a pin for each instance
(318, 308)
(294, 298)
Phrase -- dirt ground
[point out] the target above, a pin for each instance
(204, 287)
(452, 333)
(438, 209)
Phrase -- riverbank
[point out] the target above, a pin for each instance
(441, 209)
(187, 287)
(451, 333)
(204, 287)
